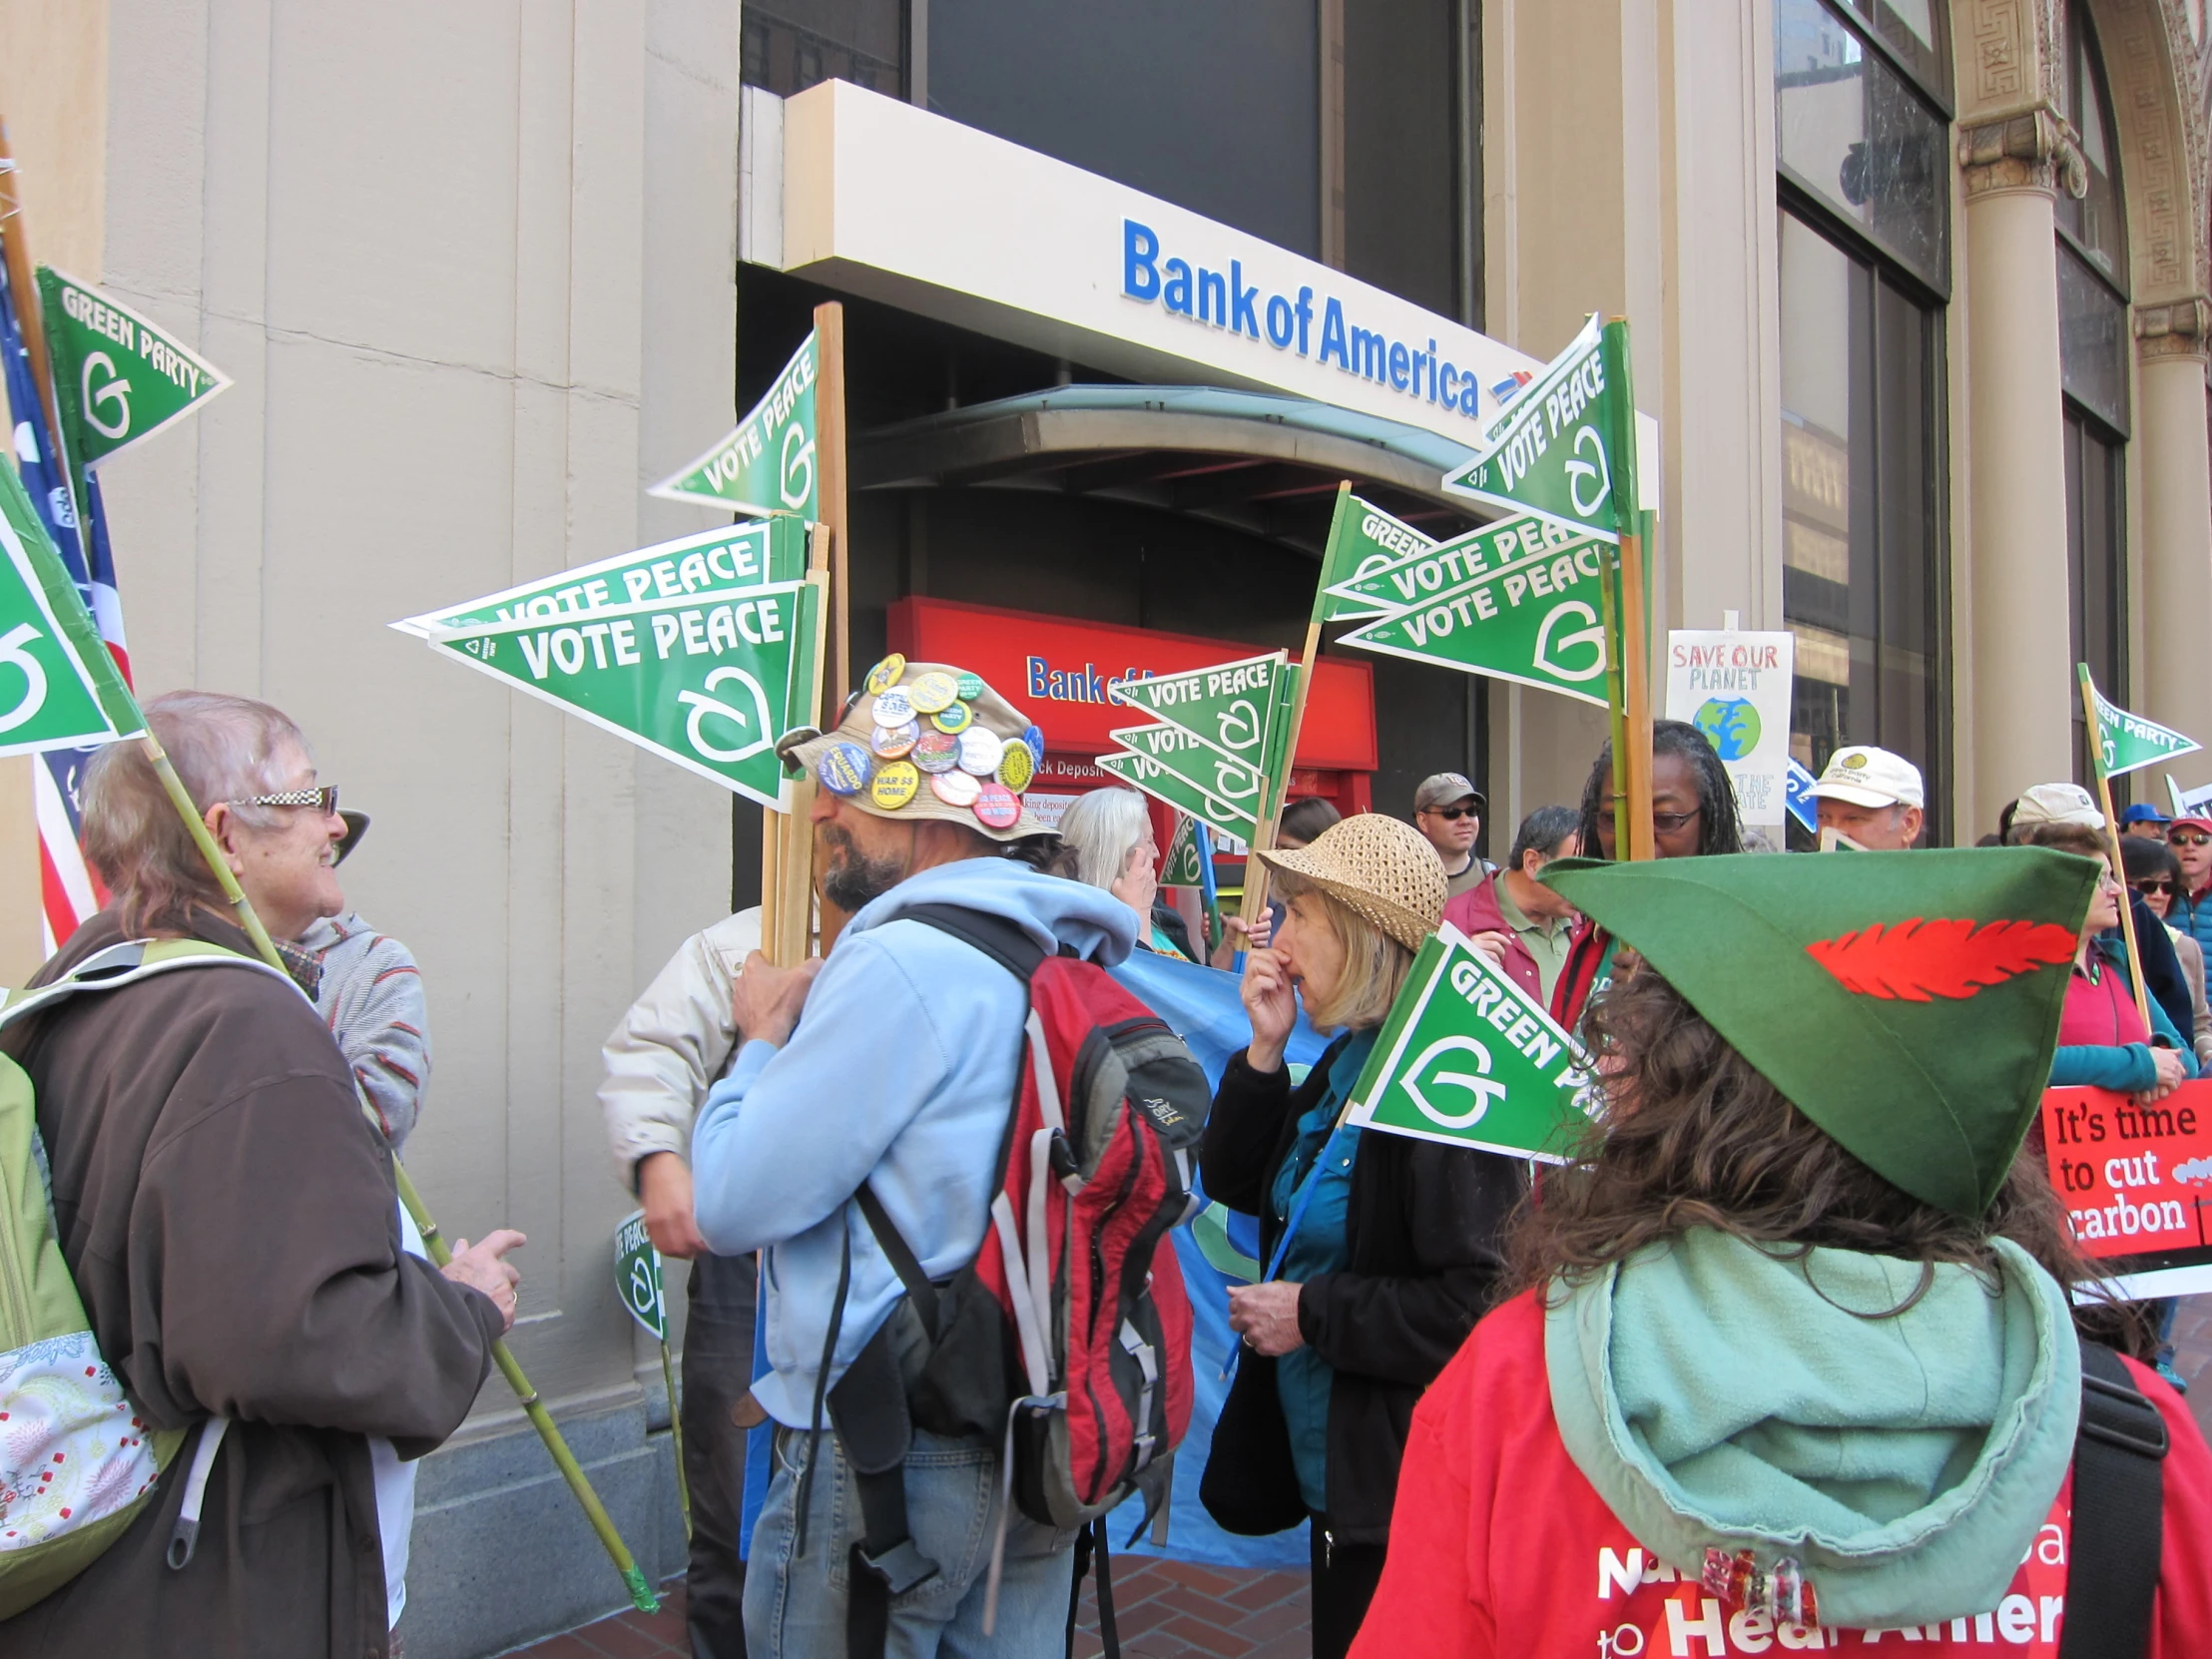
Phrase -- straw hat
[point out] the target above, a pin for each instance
(1382, 870)
(927, 741)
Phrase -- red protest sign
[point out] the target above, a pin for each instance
(2136, 1180)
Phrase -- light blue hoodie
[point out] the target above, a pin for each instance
(900, 1075)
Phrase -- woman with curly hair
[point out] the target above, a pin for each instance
(1793, 1364)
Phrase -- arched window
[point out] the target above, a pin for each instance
(2094, 339)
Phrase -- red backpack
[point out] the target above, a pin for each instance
(1067, 1340)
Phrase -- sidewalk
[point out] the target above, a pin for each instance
(1170, 1610)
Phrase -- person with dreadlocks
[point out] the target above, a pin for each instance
(1794, 1362)
(1693, 814)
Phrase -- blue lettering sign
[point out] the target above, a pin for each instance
(1140, 275)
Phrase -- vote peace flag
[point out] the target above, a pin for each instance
(1362, 538)
(1230, 707)
(638, 1279)
(58, 687)
(1563, 448)
(1469, 1059)
(767, 463)
(2125, 742)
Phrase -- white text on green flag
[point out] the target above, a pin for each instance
(638, 1275)
(117, 378)
(1362, 539)
(50, 683)
(2126, 742)
(1550, 452)
(767, 464)
(1229, 705)
(1469, 1059)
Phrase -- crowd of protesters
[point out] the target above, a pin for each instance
(1764, 1362)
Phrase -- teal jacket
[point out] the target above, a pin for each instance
(2125, 1068)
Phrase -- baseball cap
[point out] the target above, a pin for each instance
(2193, 820)
(2144, 812)
(1868, 777)
(2056, 804)
(1445, 787)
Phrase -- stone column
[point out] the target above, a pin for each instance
(2173, 681)
(2019, 703)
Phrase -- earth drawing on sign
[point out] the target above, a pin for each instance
(1730, 724)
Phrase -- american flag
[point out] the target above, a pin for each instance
(69, 888)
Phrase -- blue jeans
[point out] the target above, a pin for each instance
(794, 1604)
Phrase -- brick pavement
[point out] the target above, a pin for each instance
(1171, 1610)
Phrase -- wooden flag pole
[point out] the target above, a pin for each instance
(1632, 770)
(25, 287)
(829, 468)
(2112, 835)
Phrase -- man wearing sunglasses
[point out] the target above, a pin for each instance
(2190, 838)
(1448, 810)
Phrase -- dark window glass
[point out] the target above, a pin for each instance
(1857, 134)
(1862, 578)
(788, 45)
(1214, 107)
(2093, 220)
(2093, 340)
(1912, 31)
(1401, 150)
(2096, 562)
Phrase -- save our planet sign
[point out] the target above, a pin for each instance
(1735, 687)
(1466, 1057)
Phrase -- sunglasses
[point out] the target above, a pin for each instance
(1452, 814)
(2189, 837)
(2155, 885)
(323, 800)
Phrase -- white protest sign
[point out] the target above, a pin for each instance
(1735, 687)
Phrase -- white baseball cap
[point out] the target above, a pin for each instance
(2058, 803)
(1868, 777)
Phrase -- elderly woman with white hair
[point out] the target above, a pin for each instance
(228, 1218)
(1106, 839)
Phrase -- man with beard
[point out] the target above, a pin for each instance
(897, 1081)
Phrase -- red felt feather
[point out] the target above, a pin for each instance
(1917, 960)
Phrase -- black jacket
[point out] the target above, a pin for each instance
(1422, 1229)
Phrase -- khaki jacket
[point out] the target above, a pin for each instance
(675, 1042)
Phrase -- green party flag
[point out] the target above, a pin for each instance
(2126, 742)
(1361, 538)
(1181, 866)
(1525, 542)
(718, 564)
(1536, 619)
(58, 685)
(638, 1275)
(1234, 819)
(1553, 450)
(1469, 1059)
(767, 465)
(117, 378)
(1230, 707)
(1237, 788)
(1907, 1002)
(709, 680)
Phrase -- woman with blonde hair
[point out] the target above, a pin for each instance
(1380, 1250)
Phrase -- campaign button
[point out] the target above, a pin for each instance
(894, 706)
(1034, 738)
(895, 785)
(936, 752)
(1016, 767)
(844, 768)
(971, 687)
(894, 743)
(884, 674)
(933, 690)
(998, 806)
(953, 717)
(980, 751)
(958, 788)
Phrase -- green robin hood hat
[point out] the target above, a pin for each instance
(1905, 1002)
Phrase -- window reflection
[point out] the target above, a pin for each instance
(2092, 341)
(2093, 220)
(1855, 131)
(790, 44)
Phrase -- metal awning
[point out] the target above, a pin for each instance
(1263, 464)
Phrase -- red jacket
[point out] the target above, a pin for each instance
(1499, 1545)
(1475, 912)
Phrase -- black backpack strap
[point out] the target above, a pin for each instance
(1006, 942)
(2119, 1521)
(904, 1262)
(868, 1408)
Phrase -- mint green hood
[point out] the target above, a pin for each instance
(1716, 1396)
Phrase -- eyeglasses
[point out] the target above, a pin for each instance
(2188, 837)
(2157, 884)
(323, 800)
(1664, 824)
(1452, 814)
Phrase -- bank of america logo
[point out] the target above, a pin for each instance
(1508, 388)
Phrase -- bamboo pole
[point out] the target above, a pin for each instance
(676, 1430)
(2113, 834)
(1616, 702)
(22, 280)
(1632, 769)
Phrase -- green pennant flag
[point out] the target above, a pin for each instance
(117, 378)
(1536, 619)
(1181, 866)
(1232, 818)
(1230, 707)
(1469, 1059)
(766, 465)
(1233, 791)
(709, 680)
(1525, 542)
(1553, 450)
(709, 567)
(58, 686)
(1361, 538)
(638, 1275)
(2126, 742)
